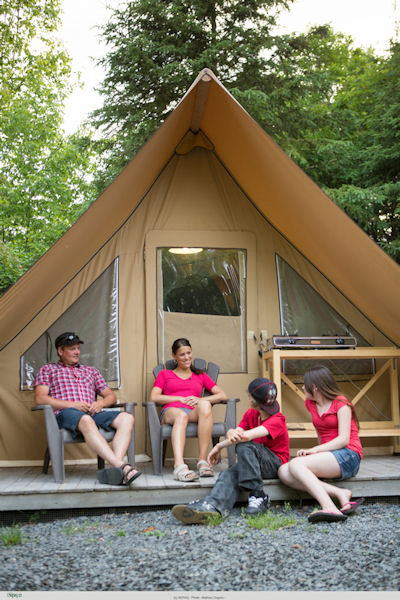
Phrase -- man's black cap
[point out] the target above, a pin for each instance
(69, 338)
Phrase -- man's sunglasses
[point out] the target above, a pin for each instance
(70, 337)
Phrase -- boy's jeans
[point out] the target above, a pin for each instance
(255, 462)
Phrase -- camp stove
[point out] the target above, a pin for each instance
(298, 343)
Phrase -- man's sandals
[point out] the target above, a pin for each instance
(126, 479)
(118, 475)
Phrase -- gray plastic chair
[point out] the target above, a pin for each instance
(159, 434)
(56, 438)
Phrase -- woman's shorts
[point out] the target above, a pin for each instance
(69, 418)
(187, 410)
(349, 462)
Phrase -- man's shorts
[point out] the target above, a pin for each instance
(69, 418)
(349, 462)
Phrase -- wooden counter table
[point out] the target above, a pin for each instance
(271, 368)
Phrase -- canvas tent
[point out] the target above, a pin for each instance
(210, 178)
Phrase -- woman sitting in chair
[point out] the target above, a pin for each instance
(179, 391)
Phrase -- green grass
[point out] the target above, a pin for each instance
(36, 516)
(155, 533)
(215, 520)
(120, 533)
(270, 520)
(11, 536)
(237, 534)
(71, 529)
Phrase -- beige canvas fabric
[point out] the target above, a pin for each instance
(227, 184)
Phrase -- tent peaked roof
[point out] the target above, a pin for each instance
(280, 190)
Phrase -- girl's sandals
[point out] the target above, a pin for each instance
(183, 473)
(126, 480)
(204, 469)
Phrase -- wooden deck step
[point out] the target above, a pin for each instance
(27, 488)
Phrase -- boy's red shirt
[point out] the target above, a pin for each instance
(277, 439)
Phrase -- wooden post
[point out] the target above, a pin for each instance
(394, 399)
(276, 374)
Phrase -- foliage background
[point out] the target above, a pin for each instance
(333, 107)
(45, 176)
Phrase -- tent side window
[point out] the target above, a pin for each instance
(94, 317)
(304, 312)
(201, 296)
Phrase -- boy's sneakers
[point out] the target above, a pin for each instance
(258, 504)
(196, 512)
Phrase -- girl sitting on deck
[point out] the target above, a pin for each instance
(338, 454)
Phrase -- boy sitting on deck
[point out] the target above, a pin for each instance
(262, 446)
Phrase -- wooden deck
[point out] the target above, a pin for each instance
(27, 488)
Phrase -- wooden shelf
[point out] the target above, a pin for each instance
(298, 434)
(271, 368)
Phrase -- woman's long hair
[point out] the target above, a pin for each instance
(184, 342)
(322, 378)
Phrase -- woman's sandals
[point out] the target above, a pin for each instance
(204, 469)
(183, 473)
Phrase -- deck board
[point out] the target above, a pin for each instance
(12, 476)
(27, 488)
(383, 467)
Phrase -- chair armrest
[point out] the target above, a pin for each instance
(117, 405)
(152, 414)
(48, 412)
(52, 429)
(230, 415)
(226, 401)
(128, 406)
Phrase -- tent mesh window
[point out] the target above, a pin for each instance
(304, 312)
(202, 296)
(94, 317)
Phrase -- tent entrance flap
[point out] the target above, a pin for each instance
(201, 285)
(202, 296)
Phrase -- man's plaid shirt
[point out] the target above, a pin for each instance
(75, 384)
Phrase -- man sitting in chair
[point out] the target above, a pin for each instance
(71, 390)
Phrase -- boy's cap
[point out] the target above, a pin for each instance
(69, 338)
(264, 393)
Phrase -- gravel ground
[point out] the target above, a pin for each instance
(153, 551)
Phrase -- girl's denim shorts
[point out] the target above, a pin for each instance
(349, 462)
